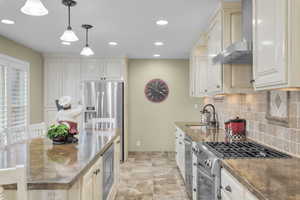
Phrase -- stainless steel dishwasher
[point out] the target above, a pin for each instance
(188, 166)
(108, 171)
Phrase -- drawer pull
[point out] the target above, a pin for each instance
(228, 188)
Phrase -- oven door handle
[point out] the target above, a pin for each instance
(187, 141)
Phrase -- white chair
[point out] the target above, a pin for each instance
(103, 124)
(11, 176)
(16, 135)
(37, 130)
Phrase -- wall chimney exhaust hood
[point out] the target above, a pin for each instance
(240, 52)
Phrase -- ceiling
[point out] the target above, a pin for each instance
(131, 23)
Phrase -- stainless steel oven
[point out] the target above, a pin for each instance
(108, 171)
(205, 174)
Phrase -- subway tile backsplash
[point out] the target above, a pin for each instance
(253, 108)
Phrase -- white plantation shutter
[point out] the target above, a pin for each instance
(3, 95)
(18, 96)
(14, 79)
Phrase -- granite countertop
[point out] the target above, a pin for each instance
(268, 179)
(56, 166)
(203, 134)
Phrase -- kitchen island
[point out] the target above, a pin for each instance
(62, 172)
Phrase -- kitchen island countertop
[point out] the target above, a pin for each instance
(52, 167)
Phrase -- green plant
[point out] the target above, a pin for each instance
(60, 130)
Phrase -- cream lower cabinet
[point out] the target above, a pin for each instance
(180, 151)
(231, 189)
(276, 44)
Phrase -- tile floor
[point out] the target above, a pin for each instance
(151, 176)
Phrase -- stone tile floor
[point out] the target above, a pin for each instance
(151, 176)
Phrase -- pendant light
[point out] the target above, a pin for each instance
(87, 51)
(34, 8)
(69, 35)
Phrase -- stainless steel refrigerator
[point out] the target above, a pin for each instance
(104, 99)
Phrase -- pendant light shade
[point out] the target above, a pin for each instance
(34, 8)
(87, 51)
(69, 35)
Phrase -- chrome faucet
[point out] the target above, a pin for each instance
(213, 123)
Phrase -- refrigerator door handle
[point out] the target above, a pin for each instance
(97, 105)
(102, 106)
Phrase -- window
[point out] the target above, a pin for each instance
(14, 91)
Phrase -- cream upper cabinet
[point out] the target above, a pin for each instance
(214, 46)
(52, 81)
(276, 44)
(198, 71)
(270, 20)
(91, 69)
(217, 78)
(71, 80)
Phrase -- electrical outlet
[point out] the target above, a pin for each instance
(138, 143)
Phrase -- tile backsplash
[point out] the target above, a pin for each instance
(253, 108)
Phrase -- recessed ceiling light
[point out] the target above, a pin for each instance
(113, 43)
(66, 43)
(156, 55)
(162, 22)
(158, 43)
(7, 21)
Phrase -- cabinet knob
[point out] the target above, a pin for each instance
(218, 86)
(195, 190)
(252, 81)
(205, 90)
(228, 188)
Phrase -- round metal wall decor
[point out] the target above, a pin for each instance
(156, 90)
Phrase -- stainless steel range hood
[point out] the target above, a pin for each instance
(240, 52)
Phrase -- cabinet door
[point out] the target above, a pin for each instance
(214, 43)
(90, 69)
(113, 69)
(50, 116)
(98, 181)
(53, 81)
(270, 42)
(71, 80)
(202, 75)
(249, 196)
(88, 185)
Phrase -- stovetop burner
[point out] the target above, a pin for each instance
(243, 150)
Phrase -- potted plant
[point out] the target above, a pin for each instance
(58, 133)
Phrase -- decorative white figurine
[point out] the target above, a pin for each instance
(68, 115)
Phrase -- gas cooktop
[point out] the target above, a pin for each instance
(243, 150)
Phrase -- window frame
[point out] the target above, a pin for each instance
(15, 63)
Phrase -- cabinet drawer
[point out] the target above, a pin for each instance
(230, 186)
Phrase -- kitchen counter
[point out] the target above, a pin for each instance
(203, 134)
(268, 179)
(53, 167)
